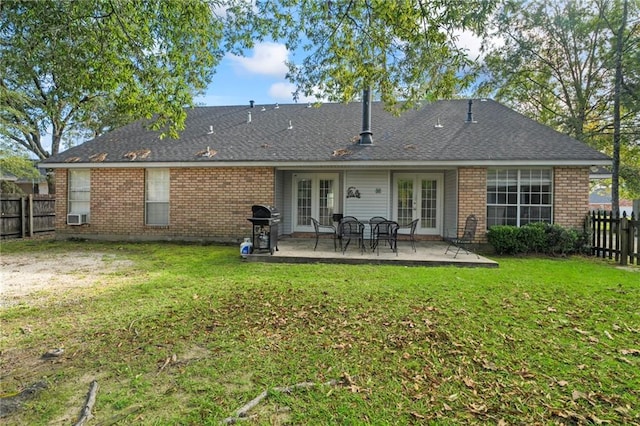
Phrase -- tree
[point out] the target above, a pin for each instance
(15, 165)
(557, 64)
(76, 68)
(401, 49)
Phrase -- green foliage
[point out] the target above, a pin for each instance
(541, 238)
(556, 65)
(505, 239)
(401, 49)
(17, 165)
(80, 67)
(188, 334)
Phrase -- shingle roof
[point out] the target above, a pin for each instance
(329, 133)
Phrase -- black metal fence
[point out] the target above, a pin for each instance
(27, 215)
(615, 237)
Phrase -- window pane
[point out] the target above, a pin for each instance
(158, 185)
(429, 207)
(157, 197)
(79, 191)
(518, 197)
(405, 201)
(304, 202)
(157, 213)
(326, 202)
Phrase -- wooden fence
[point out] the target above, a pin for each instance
(615, 237)
(27, 215)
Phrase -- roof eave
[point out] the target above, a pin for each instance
(341, 164)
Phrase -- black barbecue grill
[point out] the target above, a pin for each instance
(265, 222)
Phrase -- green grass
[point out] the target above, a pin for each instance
(536, 341)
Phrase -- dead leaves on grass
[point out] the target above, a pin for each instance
(438, 364)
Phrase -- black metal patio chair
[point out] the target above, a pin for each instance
(465, 239)
(350, 228)
(387, 232)
(324, 229)
(410, 232)
(372, 223)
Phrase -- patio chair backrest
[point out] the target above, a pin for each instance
(412, 226)
(376, 219)
(350, 226)
(386, 227)
(469, 232)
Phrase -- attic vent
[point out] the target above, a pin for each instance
(341, 152)
(141, 154)
(206, 153)
(277, 106)
(98, 158)
(251, 103)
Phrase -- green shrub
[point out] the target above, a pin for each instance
(541, 238)
(505, 239)
(534, 237)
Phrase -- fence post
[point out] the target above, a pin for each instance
(30, 215)
(624, 240)
(23, 227)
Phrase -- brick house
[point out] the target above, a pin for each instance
(439, 163)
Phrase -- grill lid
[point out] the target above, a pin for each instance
(264, 211)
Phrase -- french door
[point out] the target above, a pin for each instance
(315, 195)
(419, 196)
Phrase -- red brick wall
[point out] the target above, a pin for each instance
(472, 198)
(205, 204)
(571, 196)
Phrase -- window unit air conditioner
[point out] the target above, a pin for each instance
(76, 219)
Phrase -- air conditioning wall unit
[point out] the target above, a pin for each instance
(76, 218)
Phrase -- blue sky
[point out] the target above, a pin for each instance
(260, 75)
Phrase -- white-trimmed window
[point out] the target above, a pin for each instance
(79, 191)
(519, 196)
(157, 197)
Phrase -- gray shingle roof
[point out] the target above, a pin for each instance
(329, 133)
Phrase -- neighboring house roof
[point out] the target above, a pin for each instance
(437, 133)
(604, 199)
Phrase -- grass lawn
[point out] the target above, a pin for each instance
(189, 334)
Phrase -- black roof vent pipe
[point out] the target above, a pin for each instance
(251, 103)
(366, 135)
(470, 113)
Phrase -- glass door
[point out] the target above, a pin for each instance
(314, 196)
(419, 196)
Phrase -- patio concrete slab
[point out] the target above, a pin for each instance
(431, 253)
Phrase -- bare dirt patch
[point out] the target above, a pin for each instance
(25, 275)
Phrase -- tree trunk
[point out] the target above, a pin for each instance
(615, 172)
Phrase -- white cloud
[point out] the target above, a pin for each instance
(266, 59)
(283, 91)
(470, 42)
